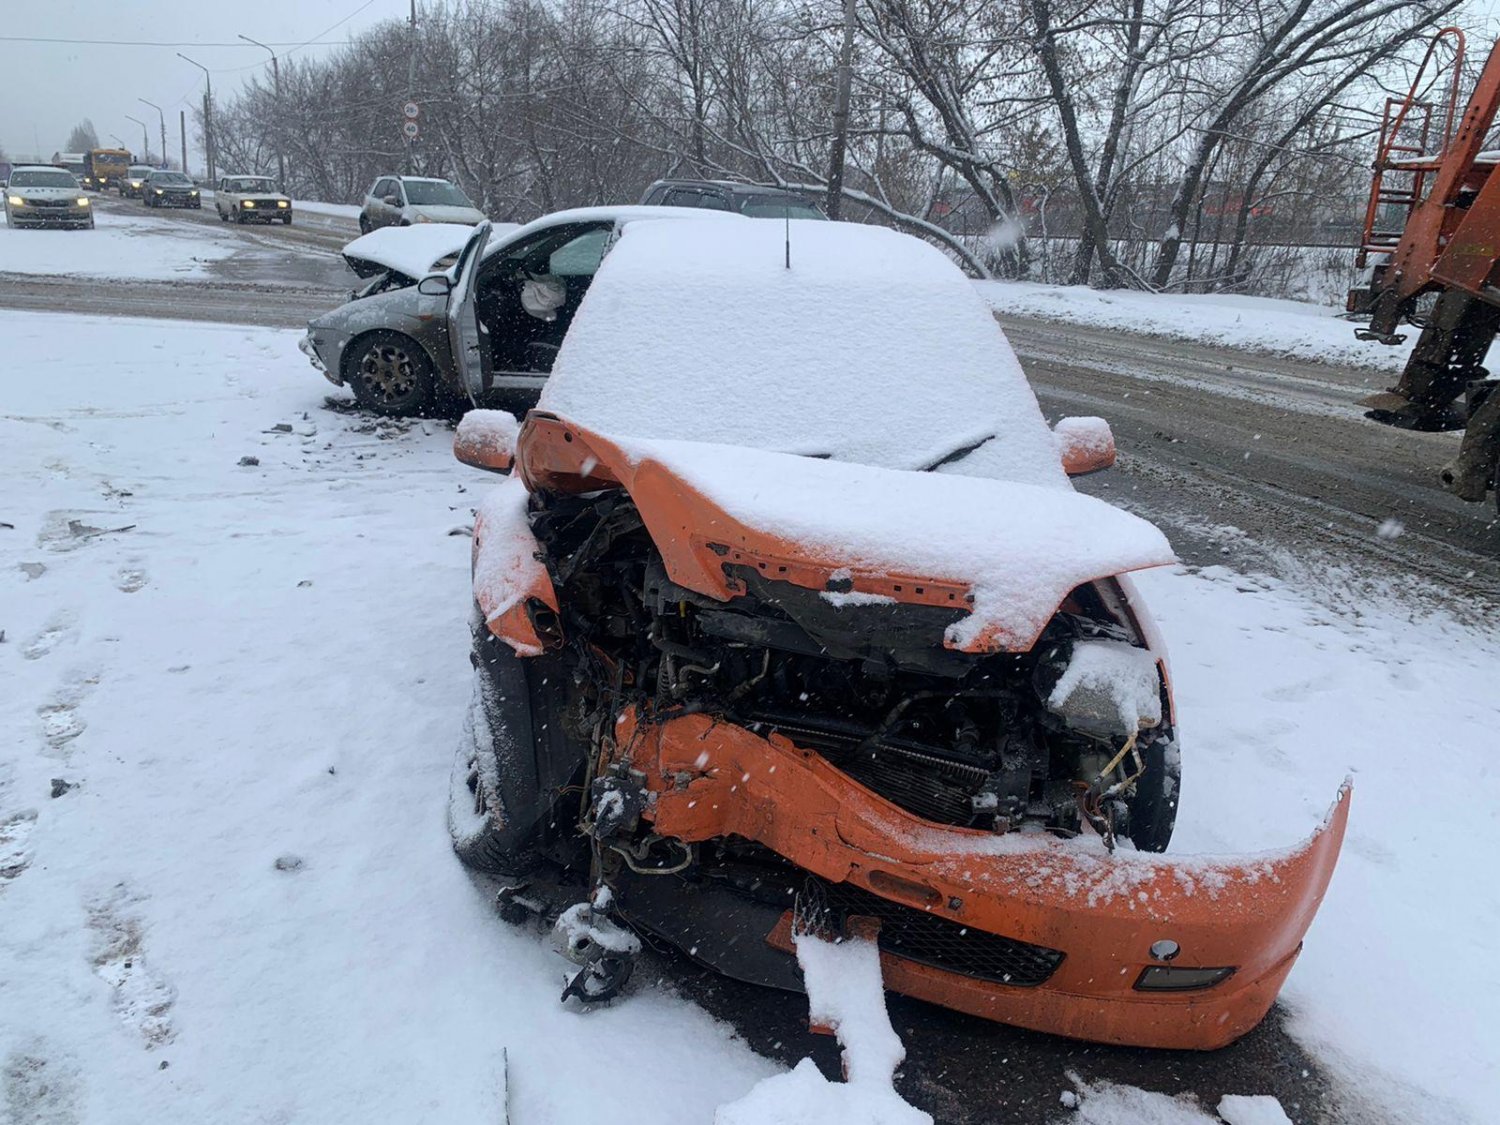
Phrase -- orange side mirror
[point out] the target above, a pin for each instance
(486, 439)
(1086, 445)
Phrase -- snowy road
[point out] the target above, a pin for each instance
(254, 675)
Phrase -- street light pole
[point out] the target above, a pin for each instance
(276, 77)
(208, 115)
(163, 117)
(144, 141)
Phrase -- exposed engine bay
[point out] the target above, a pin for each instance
(955, 738)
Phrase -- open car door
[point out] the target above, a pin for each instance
(466, 339)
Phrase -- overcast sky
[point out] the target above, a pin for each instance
(47, 88)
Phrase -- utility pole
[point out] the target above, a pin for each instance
(146, 153)
(208, 115)
(181, 125)
(276, 77)
(163, 118)
(411, 75)
(841, 115)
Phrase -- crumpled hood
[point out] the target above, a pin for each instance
(1009, 553)
(413, 251)
(444, 213)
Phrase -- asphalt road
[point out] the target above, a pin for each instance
(1254, 461)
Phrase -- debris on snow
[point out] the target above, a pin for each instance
(1257, 1109)
(845, 992)
(289, 863)
(1391, 528)
(249, 462)
(61, 786)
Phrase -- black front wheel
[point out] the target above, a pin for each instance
(389, 374)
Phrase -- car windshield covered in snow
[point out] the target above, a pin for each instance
(435, 193)
(872, 347)
(42, 177)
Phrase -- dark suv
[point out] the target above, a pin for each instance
(755, 200)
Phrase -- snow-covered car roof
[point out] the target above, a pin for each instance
(625, 213)
(414, 251)
(872, 347)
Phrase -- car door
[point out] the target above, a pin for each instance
(376, 209)
(466, 342)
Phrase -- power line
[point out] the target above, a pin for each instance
(155, 43)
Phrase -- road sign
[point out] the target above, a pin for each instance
(411, 111)
(411, 130)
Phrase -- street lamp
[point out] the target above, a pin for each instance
(208, 114)
(163, 118)
(144, 141)
(276, 126)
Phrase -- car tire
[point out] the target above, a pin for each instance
(389, 374)
(364, 224)
(223, 218)
(404, 223)
(286, 220)
(492, 802)
(1153, 810)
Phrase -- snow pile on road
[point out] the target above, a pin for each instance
(121, 247)
(1107, 1103)
(872, 347)
(1019, 547)
(845, 993)
(1301, 329)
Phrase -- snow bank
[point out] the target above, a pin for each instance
(872, 347)
(1261, 324)
(121, 247)
(845, 993)
(1021, 548)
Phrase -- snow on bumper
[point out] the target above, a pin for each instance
(1145, 951)
(309, 346)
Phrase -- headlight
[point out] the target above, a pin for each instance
(194, 194)
(135, 183)
(83, 203)
(249, 204)
(17, 201)
(282, 203)
(160, 192)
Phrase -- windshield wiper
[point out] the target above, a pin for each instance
(958, 454)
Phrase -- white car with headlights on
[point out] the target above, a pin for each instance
(41, 195)
(250, 198)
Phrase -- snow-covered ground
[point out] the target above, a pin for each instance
(255, 676)
(147, 246)
(1264, 324)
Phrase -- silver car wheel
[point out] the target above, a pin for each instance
(388, 372)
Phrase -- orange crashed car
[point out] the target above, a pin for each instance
(789, 610)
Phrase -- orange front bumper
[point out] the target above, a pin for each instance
(713, 779)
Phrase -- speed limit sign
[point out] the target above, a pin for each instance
(411, 130)
(411, 111)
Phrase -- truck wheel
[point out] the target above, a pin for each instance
(389, 374)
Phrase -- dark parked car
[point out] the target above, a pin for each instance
(757, 201)
(170, 189)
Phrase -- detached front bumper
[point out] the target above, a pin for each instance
(1058, 936)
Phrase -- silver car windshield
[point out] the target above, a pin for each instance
(435, 193)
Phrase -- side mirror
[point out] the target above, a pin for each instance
(391, 201)
(486, 439)
(435, 285)
(1086, 445)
